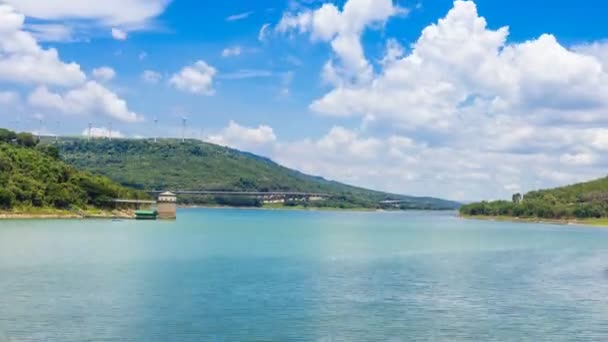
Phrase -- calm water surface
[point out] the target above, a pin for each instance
(238, 275)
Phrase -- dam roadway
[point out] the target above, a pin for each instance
(166, 203)
(242, 193)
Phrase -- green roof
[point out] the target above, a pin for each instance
(146, 212)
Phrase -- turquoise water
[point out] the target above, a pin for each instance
(239, 275)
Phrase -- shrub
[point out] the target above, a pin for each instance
(7, 198)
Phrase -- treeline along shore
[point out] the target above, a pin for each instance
(35, 182)
(578, 203)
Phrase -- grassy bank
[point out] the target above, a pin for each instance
(53, 213)
(596, 222)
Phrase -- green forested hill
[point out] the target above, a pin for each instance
(194, 165)
(583, 200)
(33, 176)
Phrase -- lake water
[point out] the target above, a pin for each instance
(247, 275)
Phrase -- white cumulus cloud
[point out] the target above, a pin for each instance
(54, 86)
(51, 32)
(119, 34)
(462, 112)
(343, 29)
(242, 137)
(102, 132)
(598, 50)
(460, 67)
(23, 60)
(196, 79)
(104, 74)
(109, 12)
(89, 99)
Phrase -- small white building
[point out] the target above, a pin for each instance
(167, 205)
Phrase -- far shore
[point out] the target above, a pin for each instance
(50, 213)
(276, 207)
(272, 207)
(594, 222)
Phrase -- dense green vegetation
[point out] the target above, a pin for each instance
(581, 201)
(193, 165)
(33, 176)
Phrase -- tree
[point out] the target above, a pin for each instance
(6, 135)
(6, 164)
(64, 195)
(49, 150)
(27, 139)
(517, 198)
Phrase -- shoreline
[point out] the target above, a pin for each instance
(277, 208)
(302, 208)
(52, 214)
(602, 222)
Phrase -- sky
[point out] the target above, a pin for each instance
(464, 100)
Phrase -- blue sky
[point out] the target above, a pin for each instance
(191, 30)
(430, 97)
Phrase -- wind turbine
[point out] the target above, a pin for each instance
(39, 129)
(155, 128)
(184, 120)
(57, 132)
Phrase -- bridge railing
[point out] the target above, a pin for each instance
(130, 201)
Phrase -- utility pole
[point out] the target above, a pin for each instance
(184, 119)
(39, 129)
(110, 131)
(155, 128)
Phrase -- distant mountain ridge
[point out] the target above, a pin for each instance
(195, 165)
